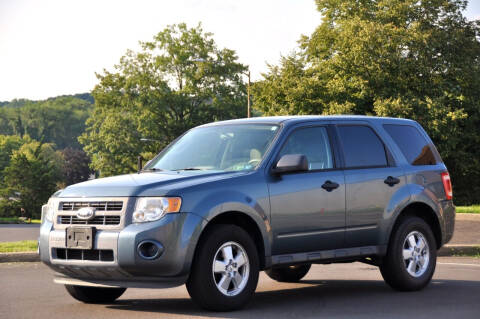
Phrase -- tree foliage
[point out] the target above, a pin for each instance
(400, 58)
(9, 144)
(31, 168)
(178, 80)
(30, 178)
(75, 166)
(30, 171)
(57, 120)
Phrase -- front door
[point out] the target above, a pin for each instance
(308, 208)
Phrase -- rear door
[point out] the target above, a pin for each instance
(306, 214)
(371, 179)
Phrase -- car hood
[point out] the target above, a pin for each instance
(144, 184)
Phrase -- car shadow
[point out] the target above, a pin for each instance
(330, 298)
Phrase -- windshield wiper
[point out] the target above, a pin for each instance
(153, 169)
(187, 169)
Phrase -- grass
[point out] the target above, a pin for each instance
(17, 220)
(18, 246)
(474, 209)
(473, 252)
(468, 255)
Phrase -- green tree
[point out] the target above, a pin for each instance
(75, 166)
(57, 120)
(30, 178)
(10, 121)
(9, 144)
(179, 80)
(401, 58)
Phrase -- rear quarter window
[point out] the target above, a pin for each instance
(413, 144)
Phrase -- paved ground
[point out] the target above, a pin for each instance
(329, 291)
(467, 231)
(16, 232)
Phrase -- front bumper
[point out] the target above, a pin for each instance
(177, 233)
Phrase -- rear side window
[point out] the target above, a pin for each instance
(361, 147)
(413, 145)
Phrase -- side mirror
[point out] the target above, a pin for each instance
(290, 163)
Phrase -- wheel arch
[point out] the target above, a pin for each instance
(245, 222)
(423, 211)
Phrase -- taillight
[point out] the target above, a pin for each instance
(447, 185)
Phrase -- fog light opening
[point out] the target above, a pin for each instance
(149, 249)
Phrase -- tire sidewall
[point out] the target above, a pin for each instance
(202, 275)
(95, 295)
(410, 225)
(287, 274)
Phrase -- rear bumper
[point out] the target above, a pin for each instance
(177, 233)
(448, 214)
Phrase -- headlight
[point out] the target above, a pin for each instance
(48, 211)
(149, 209)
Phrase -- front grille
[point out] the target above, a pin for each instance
(99, 206)
(83, 254)
(97, 220)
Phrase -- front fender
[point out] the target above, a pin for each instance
(221, 202)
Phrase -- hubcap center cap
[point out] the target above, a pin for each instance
(231, 266)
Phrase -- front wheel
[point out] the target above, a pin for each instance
(225, 269)
(94, 294)
(288, 273)
(411, 257)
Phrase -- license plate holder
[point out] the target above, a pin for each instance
(79, 237)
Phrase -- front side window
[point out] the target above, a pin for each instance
(218, 148)
(312, 142)
(361, 147)
(413, 145)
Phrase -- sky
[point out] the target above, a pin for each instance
(55, 47)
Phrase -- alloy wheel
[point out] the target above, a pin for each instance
(230, 268)
(416, 254)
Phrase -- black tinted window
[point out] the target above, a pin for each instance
(413, 145)
(361, 147)
(313, 143)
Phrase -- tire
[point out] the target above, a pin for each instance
(225, 268)
(288, 273)
(94, 294)
(402, 268)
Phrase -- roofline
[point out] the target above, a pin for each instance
(300, 118)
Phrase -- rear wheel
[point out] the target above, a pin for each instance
(94, 294)
(225, 269)
(288, 273)
(411, 256)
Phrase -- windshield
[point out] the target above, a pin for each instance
(221, 148)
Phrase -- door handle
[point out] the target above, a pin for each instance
(329, 186)
(390, 181)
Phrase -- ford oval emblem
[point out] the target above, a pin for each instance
(86, 213)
